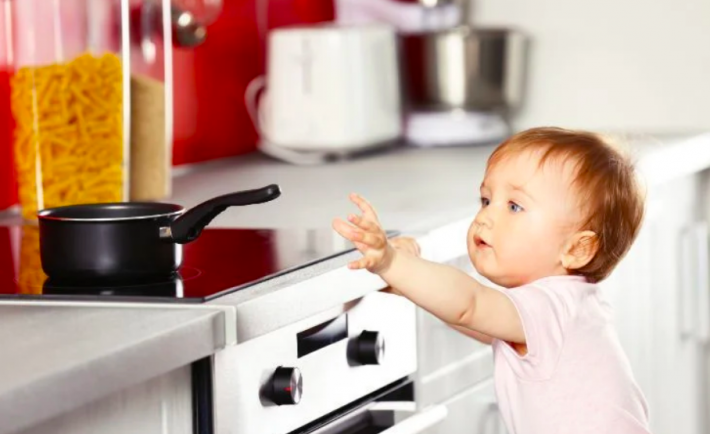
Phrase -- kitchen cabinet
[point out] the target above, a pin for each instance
(160, 405)
(454, 370)
(449, 362)
(442, 345)
(679, 300)
(629, 291)
(446, 356)
(473, 411)
(660, 296)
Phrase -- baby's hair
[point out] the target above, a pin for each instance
(606, 181)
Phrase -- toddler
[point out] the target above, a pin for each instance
(559, 209)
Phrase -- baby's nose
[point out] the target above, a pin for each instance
(483, 218)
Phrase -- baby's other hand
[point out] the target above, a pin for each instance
(408, 245)
(367, 235)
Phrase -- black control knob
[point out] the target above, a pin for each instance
(369, 348)
(286, 386)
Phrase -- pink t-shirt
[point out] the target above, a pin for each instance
(575, 377)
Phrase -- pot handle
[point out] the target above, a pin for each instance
(188, 226)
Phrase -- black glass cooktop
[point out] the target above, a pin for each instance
(220, 261)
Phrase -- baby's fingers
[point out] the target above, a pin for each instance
(345, 230)
(365, 224)
(361, 239)
(360, 246)
(367, 209)
(373, 240)
(357, 265)
(362, 263)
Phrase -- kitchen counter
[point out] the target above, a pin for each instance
(59, 357)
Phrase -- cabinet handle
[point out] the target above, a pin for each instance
(702, 255)
(686, 312)
(694, 294)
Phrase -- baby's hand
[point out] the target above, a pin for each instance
(368, 236)
(406, 244)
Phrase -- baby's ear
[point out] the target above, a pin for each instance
(580, 250)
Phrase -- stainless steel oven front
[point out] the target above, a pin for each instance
(345, 370)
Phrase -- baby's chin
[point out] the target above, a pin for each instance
(496, 276)
(506, 281)
(485, 270)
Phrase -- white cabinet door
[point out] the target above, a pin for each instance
(656, 292)
(448, 361)
(472, 412)
(628, 289)
(676, 292)
(439, 344)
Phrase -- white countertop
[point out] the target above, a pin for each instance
(57, 358)
(408, 187)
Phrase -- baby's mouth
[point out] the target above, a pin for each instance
(480, 242)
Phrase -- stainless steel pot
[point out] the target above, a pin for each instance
(465, 67)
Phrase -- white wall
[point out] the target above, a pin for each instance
(630, 65)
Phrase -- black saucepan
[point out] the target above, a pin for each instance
(130, 240)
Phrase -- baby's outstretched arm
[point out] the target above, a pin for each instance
(410, 245)
(447, 292)
(480, 337)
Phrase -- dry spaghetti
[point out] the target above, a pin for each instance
(31, 277)
(69, 133)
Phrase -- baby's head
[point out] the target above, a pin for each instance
(554, 202)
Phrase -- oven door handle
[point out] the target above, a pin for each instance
(416, 423)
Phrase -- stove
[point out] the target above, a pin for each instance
(219, 262)
(328, 353)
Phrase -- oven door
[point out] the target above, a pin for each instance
(391, 410)
(393, 417)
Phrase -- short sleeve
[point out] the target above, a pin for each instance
(544, 315)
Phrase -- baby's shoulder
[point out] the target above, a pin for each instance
(572, 288)
(567, 297)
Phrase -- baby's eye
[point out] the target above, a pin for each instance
(485, 201)
(514, 207)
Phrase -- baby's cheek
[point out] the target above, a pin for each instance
(521, 255)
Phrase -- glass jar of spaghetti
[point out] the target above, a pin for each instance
(71, 99)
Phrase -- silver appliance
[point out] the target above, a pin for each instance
(344, 370)
(465, 68)
(462, 83)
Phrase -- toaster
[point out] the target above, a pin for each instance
(328, 88)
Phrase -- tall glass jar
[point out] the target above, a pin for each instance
(72, 100)
(151, 84)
